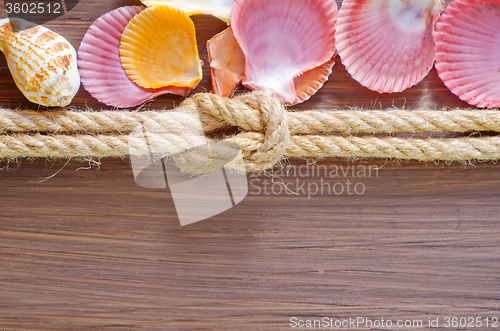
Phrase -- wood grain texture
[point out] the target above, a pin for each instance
(88, 249)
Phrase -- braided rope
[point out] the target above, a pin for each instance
(421, 149)
(268, 132)
(242, 113)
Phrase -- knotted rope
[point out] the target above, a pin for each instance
(267, 131)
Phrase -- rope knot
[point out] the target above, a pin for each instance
(263, 118)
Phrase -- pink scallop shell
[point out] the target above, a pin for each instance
(100, 67)
(467, 51)
(387, 45)
(282, 39)
(227, 63)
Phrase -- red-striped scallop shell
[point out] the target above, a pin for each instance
(387, 45)
(467, 51)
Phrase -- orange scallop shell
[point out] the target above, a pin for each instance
(158, 48)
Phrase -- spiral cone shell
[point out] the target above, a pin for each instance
(42, 63)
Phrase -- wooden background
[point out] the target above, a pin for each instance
(82, 247)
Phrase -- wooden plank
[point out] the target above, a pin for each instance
(88, 249)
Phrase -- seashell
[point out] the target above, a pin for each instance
(282, 39)
(42, 63)
(218, 8)
(387, 45)
(227, 62)
(467, 48)
(228, 69)
(100, 67)
(307, 84)
(158, 48)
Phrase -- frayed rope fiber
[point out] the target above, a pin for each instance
(268, 131)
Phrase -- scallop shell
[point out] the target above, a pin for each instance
(467, 48)
(218, 8)
(158, 48)
(282, 39)
(227, 62)
(307, 84)
(42, 63)
(228, 69)
(101, 69)
(387, 45)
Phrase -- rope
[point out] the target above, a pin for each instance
(421, 149)
(217, 113)
(267, 132)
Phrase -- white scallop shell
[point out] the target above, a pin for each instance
(218, 8)
(42, 63)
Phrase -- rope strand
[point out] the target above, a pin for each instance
(303, 122)
(269, 132)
